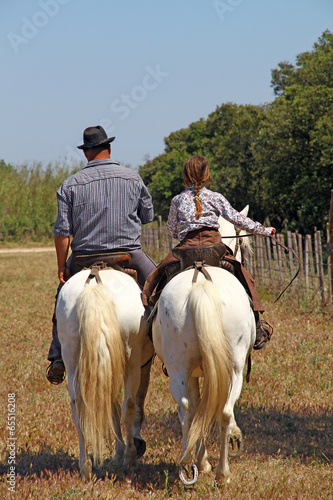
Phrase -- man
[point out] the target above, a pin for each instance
(102, 207)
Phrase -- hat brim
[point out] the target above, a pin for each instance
(85, 146)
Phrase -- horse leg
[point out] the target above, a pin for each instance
(235, 440)
(70, 356)
(179, 384)
(178, 388)
(140, 443)
(120, 445)
(131, 386)
(85, 463)
(228, 424)
(202, 457)
(200, 452)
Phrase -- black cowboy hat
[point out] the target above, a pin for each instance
(94, 137)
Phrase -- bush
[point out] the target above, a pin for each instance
(28, 202)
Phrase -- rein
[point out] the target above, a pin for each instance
(286, 250)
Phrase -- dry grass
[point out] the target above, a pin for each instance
(285, 412)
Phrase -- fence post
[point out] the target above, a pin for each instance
(329, 268)
(319, 265)
(260, 260)
(330, 249)
(307, 257)
(300, 254)
(160, 240)
(291, 263)
(269, 256)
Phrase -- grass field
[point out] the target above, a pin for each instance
(285, 412)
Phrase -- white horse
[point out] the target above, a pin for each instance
(229, 234)
(105, 346)
(207, 329)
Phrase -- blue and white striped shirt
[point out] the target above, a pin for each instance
(103, 206)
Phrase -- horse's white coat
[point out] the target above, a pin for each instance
(126, 296)
(176, 343)
(228, 229)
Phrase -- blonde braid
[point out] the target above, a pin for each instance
(197, 188)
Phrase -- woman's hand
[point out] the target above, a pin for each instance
(272, 229)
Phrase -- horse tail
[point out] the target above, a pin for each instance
(100, 369)
(207, 314)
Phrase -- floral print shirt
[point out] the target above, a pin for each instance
(182, 218)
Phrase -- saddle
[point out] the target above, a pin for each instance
(113, 260)
(211, 255)
(189, 257)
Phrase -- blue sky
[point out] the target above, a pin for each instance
(141, 69)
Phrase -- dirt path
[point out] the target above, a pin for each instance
(27, 250)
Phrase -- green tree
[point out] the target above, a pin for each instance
(294, 149)
(225, 138)
(232, 130)
(277, 158)
(163, 174)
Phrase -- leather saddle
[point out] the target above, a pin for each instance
(114, 260)
(211, 255)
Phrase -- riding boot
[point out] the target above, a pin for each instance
(264, 332)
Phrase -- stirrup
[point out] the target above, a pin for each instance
(56, 372)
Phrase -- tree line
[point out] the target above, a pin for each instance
(276, 157)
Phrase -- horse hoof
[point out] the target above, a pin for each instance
(221, 481)
(86, 470)
(206, 468)
(140, 445)
(235, 445)
(188, 481)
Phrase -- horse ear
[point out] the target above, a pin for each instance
(245, 210)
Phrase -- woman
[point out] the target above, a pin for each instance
(193, 219)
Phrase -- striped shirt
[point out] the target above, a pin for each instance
(182, 218)
(103, 206)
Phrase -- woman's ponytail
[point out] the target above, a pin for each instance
(196, 173)
(197, 188)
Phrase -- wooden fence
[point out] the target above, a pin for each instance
(271, 266)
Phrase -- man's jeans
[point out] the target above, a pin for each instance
(140, 261)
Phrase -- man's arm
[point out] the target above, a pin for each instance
(62, 246)
(145, 209)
